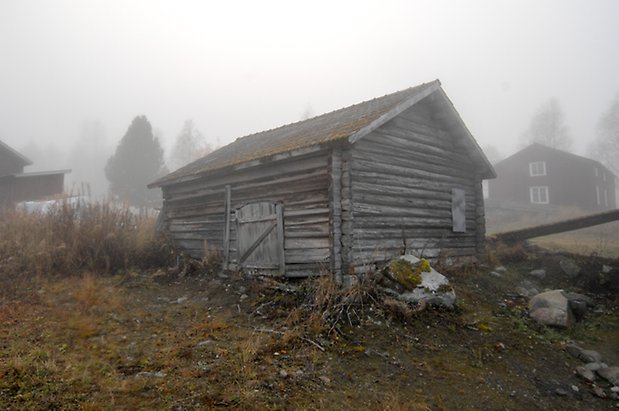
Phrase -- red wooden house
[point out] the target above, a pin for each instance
(545, 177)
(17, 185)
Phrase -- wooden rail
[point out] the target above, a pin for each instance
(559, 227)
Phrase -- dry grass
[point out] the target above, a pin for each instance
(71, 238)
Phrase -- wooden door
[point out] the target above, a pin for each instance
(260, 238)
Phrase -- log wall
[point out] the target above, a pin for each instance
(399, 190)
(195, 213)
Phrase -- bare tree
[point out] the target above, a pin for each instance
(548, 127)
(605, 148)
(189, 146)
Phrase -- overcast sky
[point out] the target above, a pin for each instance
(246, 66)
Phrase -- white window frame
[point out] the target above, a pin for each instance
(539, 195)
(537, 168)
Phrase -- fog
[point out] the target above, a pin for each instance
(74, 74)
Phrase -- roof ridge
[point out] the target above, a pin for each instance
(333, 111)
(355, 119)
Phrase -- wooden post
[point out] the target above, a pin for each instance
(227, 199)
(279, 210)
(336, 213)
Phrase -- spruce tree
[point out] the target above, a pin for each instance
(138, 161)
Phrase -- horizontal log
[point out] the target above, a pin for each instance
(419, 158)
(219, 179)
(305, 212)
(361, 164)
(404, 202)
(559, 227)
(305, 221)
(305, 256)
(415, 134)
(404, 232)
(307, 243)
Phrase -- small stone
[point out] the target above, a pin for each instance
(283, 373)
(495, 274)
(598, 392)
(205, 342)
(561, 392)
(594, 366)
(573, 350)
(587, 356)
(579, 297)
(615, 389)
(569, 267)
(610, 374)
(539, 273)
(243, 297)
(298, 373)
(181, 300)
(585, 373)
(500, 269)
(575, 388)
(606, 269)
(590, 356)
(579, 308)
(324, 379)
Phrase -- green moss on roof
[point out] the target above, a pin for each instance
(329, 127)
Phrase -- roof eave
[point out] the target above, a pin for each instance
(164, 181)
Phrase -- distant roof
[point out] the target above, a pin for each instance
(535, 147)
(350, 123)
(20, 157)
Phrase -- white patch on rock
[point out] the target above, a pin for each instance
(433, 290)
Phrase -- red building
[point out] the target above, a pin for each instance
(17, 185)
(541, 175)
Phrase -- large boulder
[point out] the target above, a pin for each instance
(424, 285)
(551, 308)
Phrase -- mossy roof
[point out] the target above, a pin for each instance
(330, 127)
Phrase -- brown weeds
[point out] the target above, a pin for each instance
(69, 238)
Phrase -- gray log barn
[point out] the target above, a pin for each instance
(337, 192)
